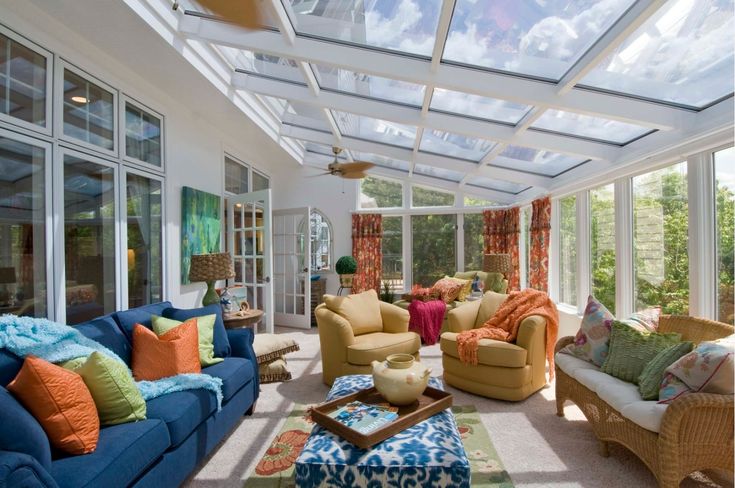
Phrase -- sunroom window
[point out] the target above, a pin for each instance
(89, 111)
(725, 207)
(474, 242)
(424, 197)
(380, 193)
(392, 247)
(568, 250)
(22, 82)
(602, 245)
(434, 247)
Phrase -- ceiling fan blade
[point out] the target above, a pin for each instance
(353, 175)
(320, 174)
(356, 166)
(250, 14)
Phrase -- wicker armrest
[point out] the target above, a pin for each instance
(699, 416)
(563, 342)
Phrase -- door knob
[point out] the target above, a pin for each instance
(267, 279)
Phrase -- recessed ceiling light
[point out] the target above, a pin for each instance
(79, 99)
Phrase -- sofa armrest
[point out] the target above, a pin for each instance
(563, 342)
(334, 330)
(241, 344)
(463, 317)
(395, 318)
(532, 338)
(698, 419)
(18, 469)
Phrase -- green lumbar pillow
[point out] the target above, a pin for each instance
(631, 350)
(205, 329)
(649, 382)
(113, 389)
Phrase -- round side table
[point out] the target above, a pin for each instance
(236, 320)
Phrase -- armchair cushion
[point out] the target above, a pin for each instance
(489, 304)
(378, 345)
(362, 310)
(490, 352)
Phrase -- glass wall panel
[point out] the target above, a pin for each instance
(22, 82)
(22, 229)
(434, 247)
(393, 253)
(725, 207)
(379, 193)
(474, 241)
(236, 177)
(89, 111)
(142, 135)
(470, 201)
(260, 182)
(423, 197)
(660, 237)
(89, 239)
(145, 245)
(568, 250)
(602, 245)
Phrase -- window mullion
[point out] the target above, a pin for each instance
(583, 249)
(624, 285)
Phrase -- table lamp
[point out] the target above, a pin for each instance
(210, 268)
(496, 263)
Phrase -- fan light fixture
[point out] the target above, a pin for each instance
(79, 99)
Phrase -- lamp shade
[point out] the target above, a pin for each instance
(211, 267)
(7, 275)
(496, 263)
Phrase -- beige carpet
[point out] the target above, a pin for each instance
(537, 448)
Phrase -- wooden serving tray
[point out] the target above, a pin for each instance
(431, 402)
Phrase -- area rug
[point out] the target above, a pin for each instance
(276, 468)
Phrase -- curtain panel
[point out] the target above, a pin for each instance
(367, 239)
(538, 255)
(501, 234)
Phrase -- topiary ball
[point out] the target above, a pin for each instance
(346, 265)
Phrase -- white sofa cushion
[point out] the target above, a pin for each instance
(618, 393)
(646, 414)
(570, 364)
(591, 378)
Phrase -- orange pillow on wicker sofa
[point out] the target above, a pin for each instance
(61, 402)
(172, 353)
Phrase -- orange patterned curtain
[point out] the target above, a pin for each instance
(538, 255)
(502, 233)
(367, 238)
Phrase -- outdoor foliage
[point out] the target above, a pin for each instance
(726, 252)
(602, 245)
(423, 197)
(386, 193)
(393, 252)
(474, 241)
(434, 247)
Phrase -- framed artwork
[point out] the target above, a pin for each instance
(201, 226)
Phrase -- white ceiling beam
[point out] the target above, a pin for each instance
(433, 120)
(282, 20)
(451, 77)
(636, 16)
(442, 32)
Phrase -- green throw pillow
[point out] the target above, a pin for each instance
(649, 382)
(205, 329)
(113, 389)
(631, 350)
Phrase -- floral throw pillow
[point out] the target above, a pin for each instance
(448, 289)
(593, 337)
(645, 320)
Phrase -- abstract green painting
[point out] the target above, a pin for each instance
(201, 226)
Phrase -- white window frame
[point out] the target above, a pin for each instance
(47, 128)
(228, 155)
(124, 100)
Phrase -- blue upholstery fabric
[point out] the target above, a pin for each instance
(182, 412)
(18, 470)
(221, 343)
(21, 432)
(106, 331)
(123, 453)
(10, 364)
(234, 373)
(141, 315)
(241, 342)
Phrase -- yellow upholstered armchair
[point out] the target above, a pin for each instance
(357, 329)
(506, 371)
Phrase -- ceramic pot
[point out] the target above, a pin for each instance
(345, 280)
(400, 378)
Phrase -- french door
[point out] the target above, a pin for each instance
(249, 236)
(292, 248)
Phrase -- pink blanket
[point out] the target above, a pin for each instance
(426, 319)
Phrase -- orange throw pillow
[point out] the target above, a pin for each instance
(61, 402)
(175, 352)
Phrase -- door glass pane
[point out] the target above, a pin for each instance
(661, 233)
(602, 245)
(145, 246)
(434, 247)
(22, 229)
(89, 111)
(22, 82)
(725, 201)
(474, 242)
(89, 239)
(142, 135)
(392, 247)
(423, 197)
(568, 250)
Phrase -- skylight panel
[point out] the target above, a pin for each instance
(497, 185)
(377, 130)
(683, 55)
(263, 65)
(529, 37)
(455, 145)
(405, 26)
(477, 106)
(535, 161)
(606, 130)
(382, 161)
(369, 86)
(322, 149)
(441, 173)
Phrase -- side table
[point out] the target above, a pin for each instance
(236, 320)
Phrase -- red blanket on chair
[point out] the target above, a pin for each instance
(426, 319)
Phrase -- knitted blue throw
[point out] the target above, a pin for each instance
(57, 343)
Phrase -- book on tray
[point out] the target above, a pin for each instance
(365, 418)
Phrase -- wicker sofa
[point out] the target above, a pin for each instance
(692, 433)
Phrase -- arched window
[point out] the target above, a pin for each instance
(320, 230)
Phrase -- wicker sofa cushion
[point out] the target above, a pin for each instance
(647, 414)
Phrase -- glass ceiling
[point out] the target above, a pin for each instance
(375, 129)
(363, 85)
(264, 65)
(454, 145)
(535, 161)
(497, 185)
(477, 106)
(589, 127)
(383, 161)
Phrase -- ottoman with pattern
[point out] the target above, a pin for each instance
(428, 454)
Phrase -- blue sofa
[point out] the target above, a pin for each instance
(181, 428)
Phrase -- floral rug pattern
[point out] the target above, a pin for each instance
(276, 468)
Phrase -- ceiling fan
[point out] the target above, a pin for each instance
(251, 14)
(351, 171)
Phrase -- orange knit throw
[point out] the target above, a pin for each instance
(503, 326)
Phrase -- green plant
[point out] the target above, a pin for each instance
(387, 295)
(346, 265)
